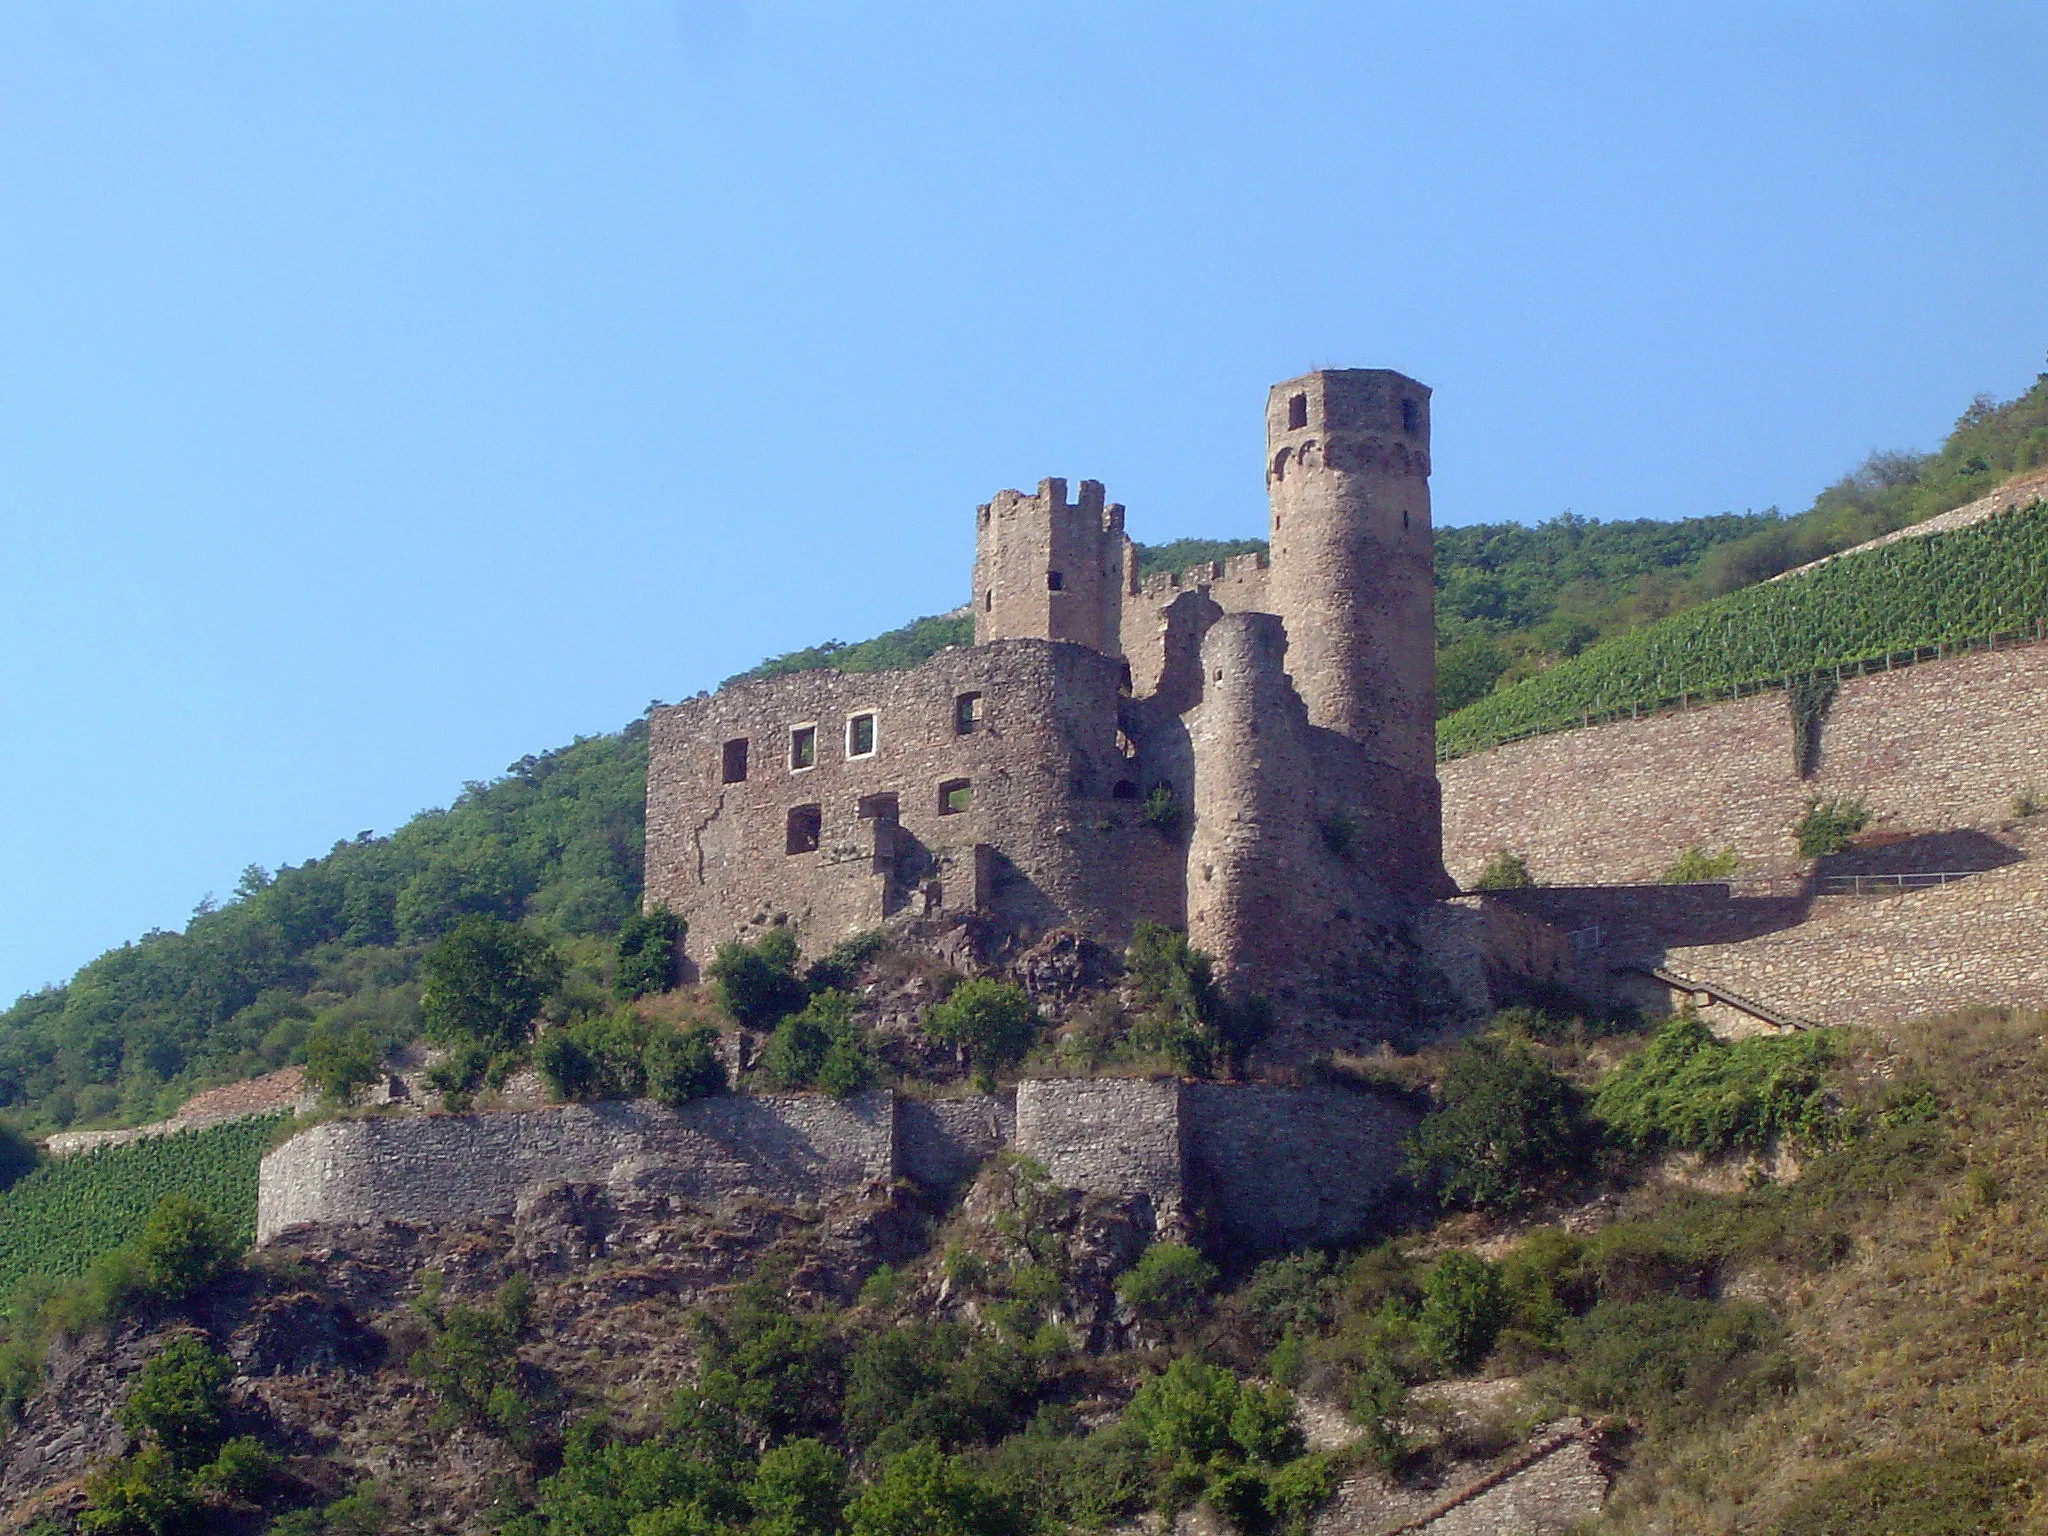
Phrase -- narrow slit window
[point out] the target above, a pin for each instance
(966, 714)
(1054, 581)
(803, 747)
(860, 735)
(732, 766)
(806, 823)
(955, 795)
(1297, 412)
(1411, 417)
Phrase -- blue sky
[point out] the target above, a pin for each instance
(387, 391)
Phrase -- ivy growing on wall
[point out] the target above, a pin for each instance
(1807, 698)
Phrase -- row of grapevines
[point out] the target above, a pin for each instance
(69, 1211)
(1991, 577)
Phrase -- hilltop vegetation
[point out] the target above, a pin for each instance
(330, 944)
(55, 1222)
(1991, 577)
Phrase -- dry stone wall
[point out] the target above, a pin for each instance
(1266, 1165)
(1980, 942)
(1943, 744)
(439, 1168)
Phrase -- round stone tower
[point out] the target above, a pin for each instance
(1248, 854)
(1347, 477)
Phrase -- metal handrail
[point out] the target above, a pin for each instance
(1878, 885)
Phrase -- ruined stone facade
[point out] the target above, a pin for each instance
(1245, 750)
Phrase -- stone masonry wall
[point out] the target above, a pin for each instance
(1943, 744)
(436, 1168)
(1278, 1167)
(1041, 839)
(1109, 1136)
(1876, 960)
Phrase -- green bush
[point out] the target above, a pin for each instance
(840, 966)
(819, 1047)
(141, 1495)
(179, 1401)
(798, 1489)
(757, 983)
(1505, 1128)
(684, 1066)
(775, 1367)
(1169, 1284)
(1964, 1492)
(471, 1361)
(992, 1020)
(1504, 871)
(1163, 812)
(1696, 864)
(597, 1057)
(924, 1492)
(244, 1469)
(340, 1062)
(1182, 1014)
(649, 954)
(1671, 1359)
(360, 1513)
(941, 1382)
(1827, 825)
(1464, 1307)
(483, 981)
(181, 1248)
(1686, 1089)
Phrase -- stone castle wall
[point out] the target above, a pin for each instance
(434, 1168)
(1267, 1166)
(1940, 745)
(993, 785)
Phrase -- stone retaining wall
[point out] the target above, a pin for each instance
(1940, 745)
(1265, 1166)
(434, 1168)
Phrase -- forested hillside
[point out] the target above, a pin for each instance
(556, 841)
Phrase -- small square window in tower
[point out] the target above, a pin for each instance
(955, 795)
(966, 714)
(803, 747)
(860, 735)
(1054, 581)
(1297, 412)
(806, 822)
(732, 765)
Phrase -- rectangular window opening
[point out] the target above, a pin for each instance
(732, 765)
(803, 747)
(1054, 581)
(1411, 416)
(966, 714)
(860, 735)
(806, 823)
(878, 807)
(955, 795)
(1297, 412)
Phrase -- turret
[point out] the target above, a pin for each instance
(1046, 568)
(1347, 479)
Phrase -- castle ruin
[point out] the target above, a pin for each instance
(1244, 750)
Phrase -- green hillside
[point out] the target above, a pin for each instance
(556, 842)
(1945, 589)
(58, 1219)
